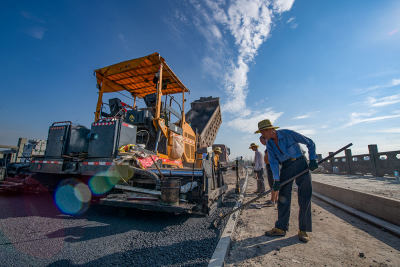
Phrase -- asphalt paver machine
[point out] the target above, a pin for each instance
(140, 157)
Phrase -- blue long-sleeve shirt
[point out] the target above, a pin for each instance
(288, 142)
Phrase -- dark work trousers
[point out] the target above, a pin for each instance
(270, 176)
(288, 170)
(260, 181)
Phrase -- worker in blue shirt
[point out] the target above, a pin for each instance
(283, 149)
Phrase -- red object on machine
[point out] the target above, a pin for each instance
(21, 184)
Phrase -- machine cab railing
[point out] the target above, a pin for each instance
(163, 119)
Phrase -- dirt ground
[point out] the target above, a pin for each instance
(338, 239)
(230, 178)
(381, 186)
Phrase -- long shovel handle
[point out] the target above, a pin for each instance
(282, 184)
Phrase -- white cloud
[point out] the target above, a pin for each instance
(305, 116)
(294, 25)
(303, 129)
(236, 87)
(392, 83)
(292, 22)
(215, 31)
(213, 67)
(381, 73)
(283, 5)
(357, 118)
(248, 123)
(36, 32)
(249, 22)
(390, 130)
(180, 16)
(383, 101)
(306, 132)
(260, 101)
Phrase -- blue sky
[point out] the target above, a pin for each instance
(328, 69)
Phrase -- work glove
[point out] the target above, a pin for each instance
(313, 165)
(276, 185)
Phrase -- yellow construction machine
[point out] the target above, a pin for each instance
(156, 145)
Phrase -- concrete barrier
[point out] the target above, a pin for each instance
(385, 208)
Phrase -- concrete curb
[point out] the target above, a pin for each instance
(387, 209)
(224, 243)
(394, 229)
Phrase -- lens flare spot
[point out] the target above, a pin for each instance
(82, 192)
(72, 197)
(103, 182)
(123, 171)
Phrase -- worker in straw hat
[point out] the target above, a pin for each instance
(283, 149)
(217, 152)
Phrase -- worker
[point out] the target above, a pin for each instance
(217, 152)
(259, 171)
(258, 168)
(284, 149)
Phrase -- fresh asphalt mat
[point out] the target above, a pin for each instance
(33, 232)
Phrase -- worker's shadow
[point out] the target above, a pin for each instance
(258, 246)
(376, 232)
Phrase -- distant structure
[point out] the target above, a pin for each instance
(22, 153)
(374, 163)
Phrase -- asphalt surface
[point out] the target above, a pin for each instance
(33, 232)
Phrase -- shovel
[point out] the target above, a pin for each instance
(245, 205)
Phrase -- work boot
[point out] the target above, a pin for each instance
(275, 232)
(303, 237)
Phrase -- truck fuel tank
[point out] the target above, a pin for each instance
(107, 136)
(65, 138)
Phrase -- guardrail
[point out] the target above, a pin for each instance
(374, 163)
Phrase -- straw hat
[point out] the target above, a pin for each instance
(253, 145)
(265, 124)
(217, 150)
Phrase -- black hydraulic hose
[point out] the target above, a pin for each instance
(149, 174)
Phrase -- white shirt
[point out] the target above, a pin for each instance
(258, 161)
